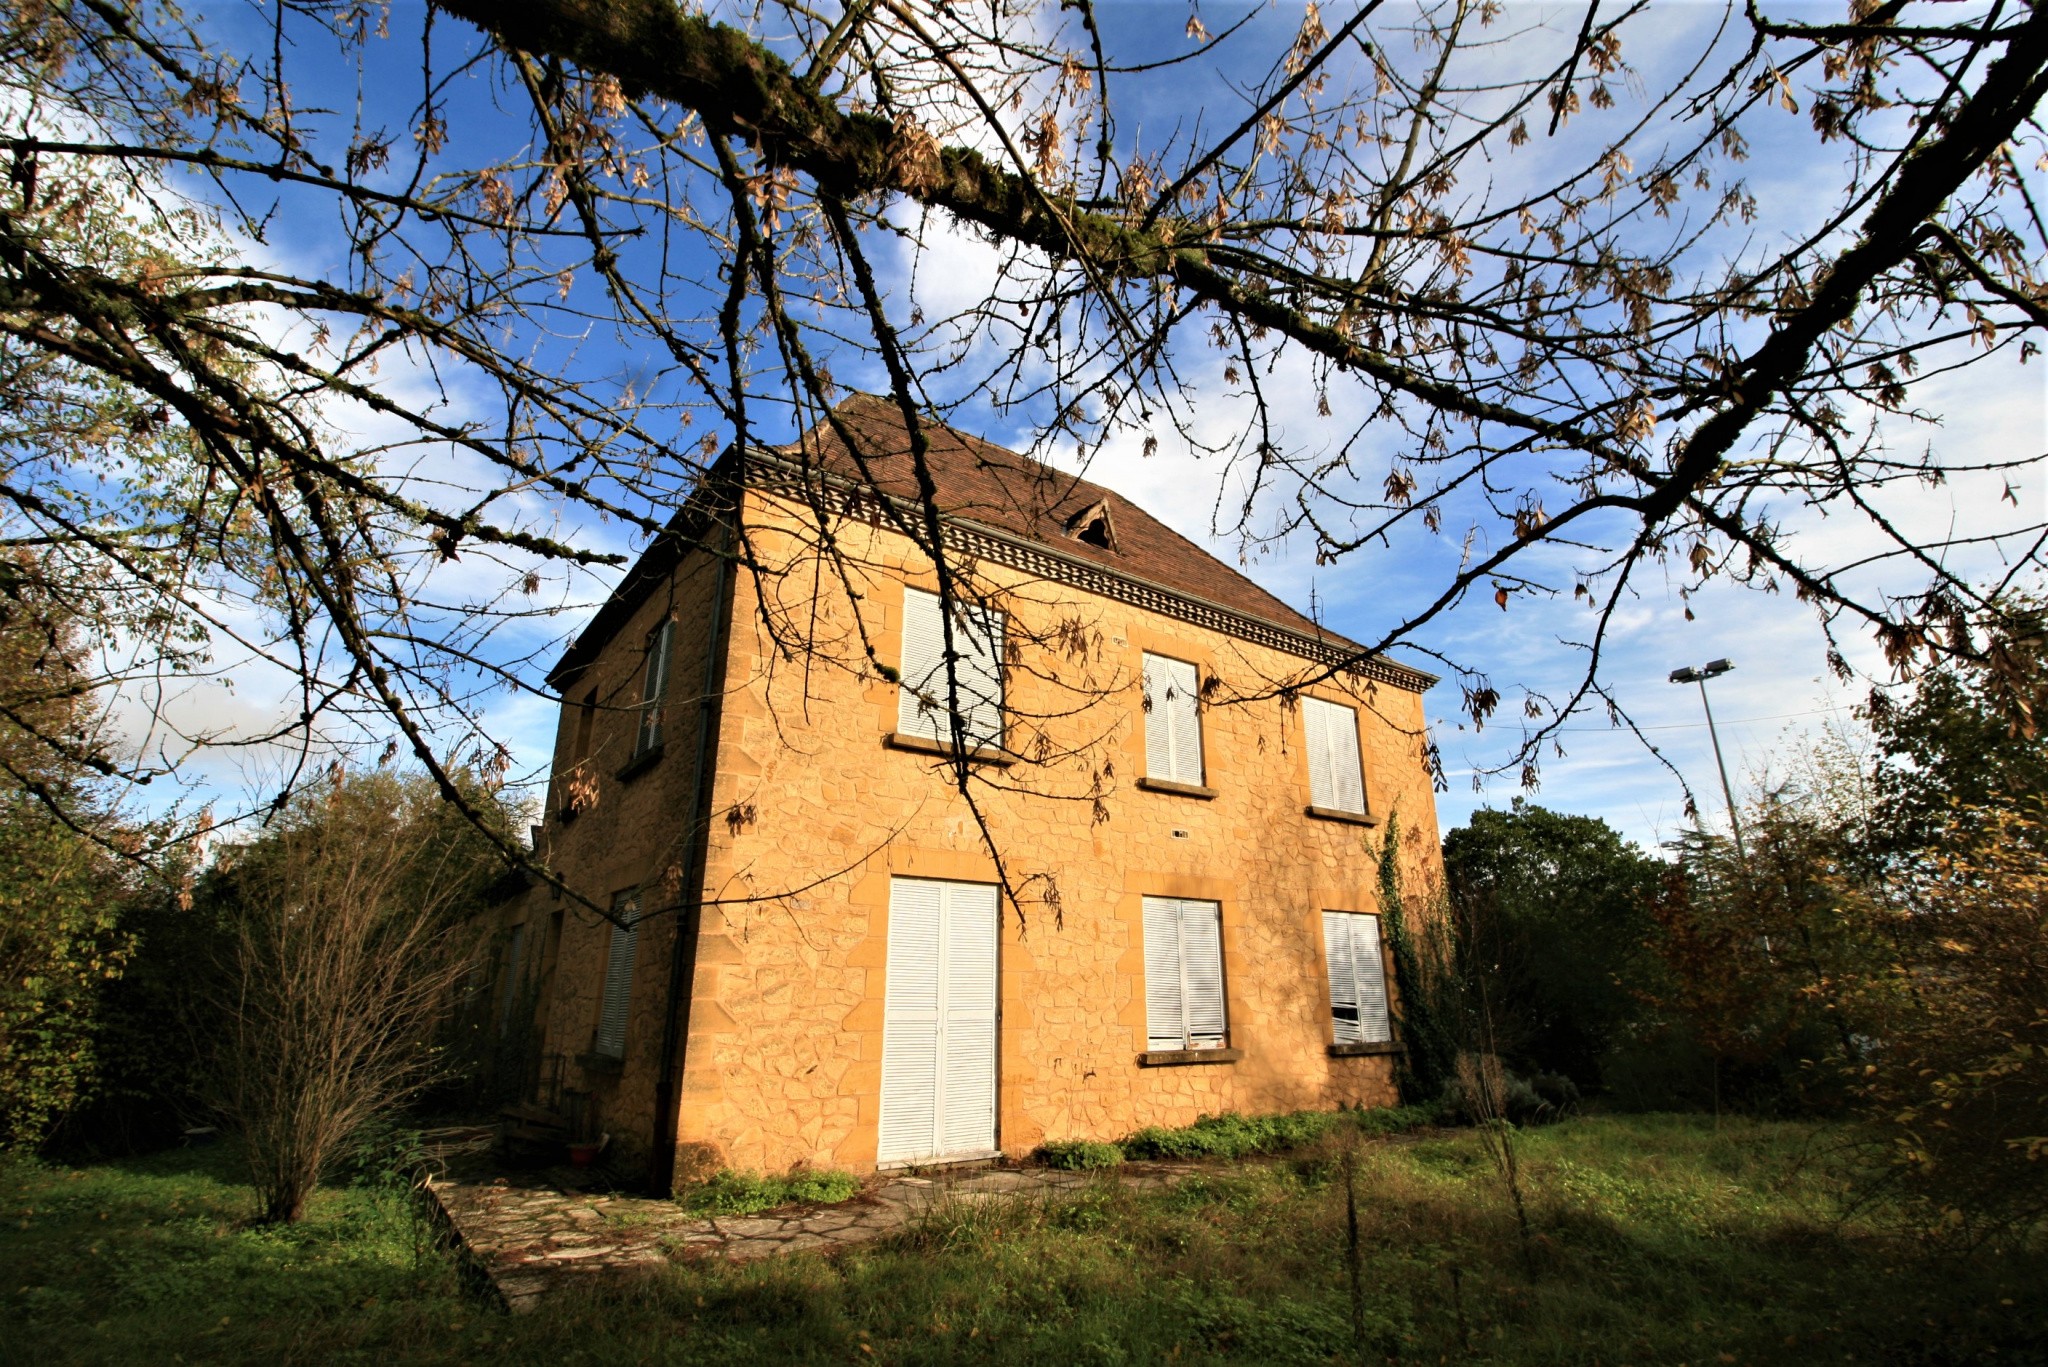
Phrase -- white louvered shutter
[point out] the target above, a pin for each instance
(654, 686)
(1184, 1006)
(967, 1043)
(1358, 978)
(1158, 734)
(1334, 778)
(1173, 728)
(1201, 947)
(1371, 969)
(926, 692)
(618, 980)
(978, 638)
(1315, 724)
(910, 1022)
(1343, 979)
(1349, 782)
(920, 708)
(1165, 1024)
(939, 1022)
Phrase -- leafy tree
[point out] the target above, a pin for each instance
(1528, 304)
(348, 928)
(1952, 1079)
(1558, 907)
(1960, 742)
(60, 890)
(1955, 1087)
(61, 940)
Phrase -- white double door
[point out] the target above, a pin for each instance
(939, 1022)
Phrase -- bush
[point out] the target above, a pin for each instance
(384, 1153)
(351, 924)
(1079, 1155)
(1534, 1099)
(741, 1193)
(1239, 1136)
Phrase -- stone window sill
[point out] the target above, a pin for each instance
(1363, 1050)
(600, 1065)
(641, 763)
(1348, 818)
(1167, 785)
(1171, 1058)
(985, 754)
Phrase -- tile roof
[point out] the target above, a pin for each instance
(978, 482)
(982, 482)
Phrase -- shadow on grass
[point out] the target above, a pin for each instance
(1662, 1241)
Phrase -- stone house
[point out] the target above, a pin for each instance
(1115, 867)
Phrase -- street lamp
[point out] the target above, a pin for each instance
(1714, 669)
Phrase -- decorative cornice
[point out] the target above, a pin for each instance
(1051, 563)
(761, 468)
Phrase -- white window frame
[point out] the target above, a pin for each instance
(1173, 720)
(654, 686)
(615, 1007)
(925, 690)
(1336, 772)
(1186, 1004)
(1357, 974)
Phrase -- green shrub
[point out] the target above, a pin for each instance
(1396, 1119)
(382, 1153)
(1241, 1136)
(741, 1193)
(1079, 1155)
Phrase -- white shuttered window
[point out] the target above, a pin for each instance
(939, 1022)
(1358, 978)
(618, 978)
(1334, 778)
(1173, 724)
(1183, 974)
(654, 686)
(929, 694)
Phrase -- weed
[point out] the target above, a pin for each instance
(1239, 1136)
(1079, 1155)
(739, 1193)
(1656, 1239)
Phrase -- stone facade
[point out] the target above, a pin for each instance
(814, 805)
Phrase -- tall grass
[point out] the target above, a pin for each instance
(1655, 1239)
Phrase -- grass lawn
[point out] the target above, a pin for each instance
(1659, 1239)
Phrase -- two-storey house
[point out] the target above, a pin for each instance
(1113, 865)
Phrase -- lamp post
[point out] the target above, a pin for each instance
(1714, 669)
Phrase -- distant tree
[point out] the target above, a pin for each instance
(1960, 742)
(1557, 915)
(349, 928)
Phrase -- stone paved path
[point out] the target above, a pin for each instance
(531, 1234)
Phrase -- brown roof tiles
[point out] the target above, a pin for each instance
(982, 482)
(977, 481)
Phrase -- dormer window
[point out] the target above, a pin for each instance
(1092, 525)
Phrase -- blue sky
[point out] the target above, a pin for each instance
(1776, 696)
